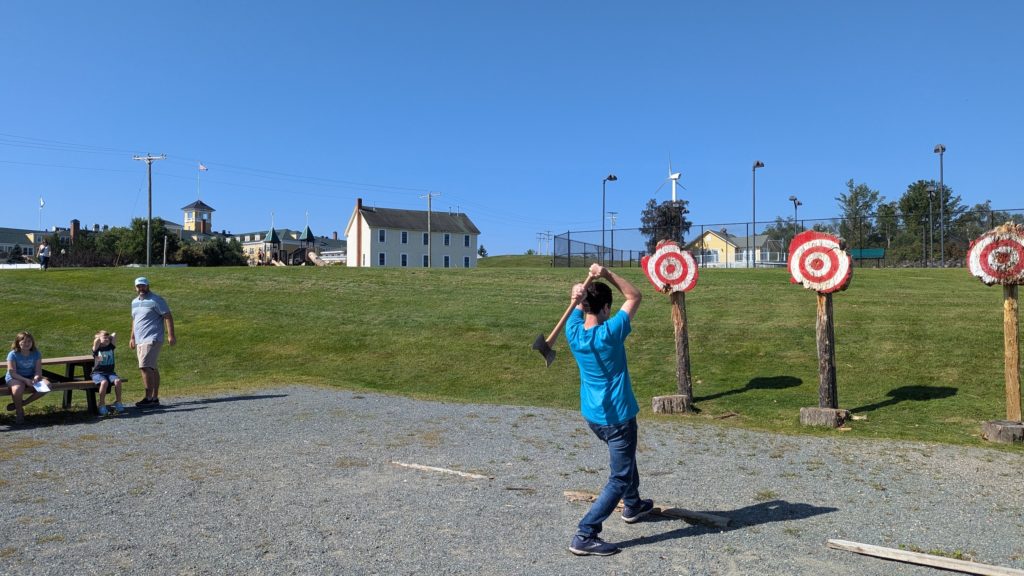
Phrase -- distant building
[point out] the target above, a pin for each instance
(285, 245)
(719, 249)
(198, 218)
(393, 238)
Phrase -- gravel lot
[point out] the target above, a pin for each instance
(302, 480)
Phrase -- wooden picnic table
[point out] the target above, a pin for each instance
(71, 365)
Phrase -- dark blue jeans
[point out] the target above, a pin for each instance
(623, 481)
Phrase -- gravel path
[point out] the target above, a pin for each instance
(301, 480)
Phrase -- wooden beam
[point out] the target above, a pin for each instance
(924, 559)
(443, 470)
(667, 511)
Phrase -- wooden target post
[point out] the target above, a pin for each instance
(673, 271)
(819, 262)
(997, 257)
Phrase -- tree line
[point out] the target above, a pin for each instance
(118, 246)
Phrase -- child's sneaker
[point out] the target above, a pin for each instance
(104, 411)
(118, 407)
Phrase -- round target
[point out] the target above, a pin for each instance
(997, 257)
(817, 261)
(670, 268)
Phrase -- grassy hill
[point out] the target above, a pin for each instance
(919, 352)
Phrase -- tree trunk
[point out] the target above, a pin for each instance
(1011, 359)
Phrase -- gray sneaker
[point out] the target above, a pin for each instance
(591, 546)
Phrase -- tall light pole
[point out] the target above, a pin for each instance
(796, 203)
(613, 178)
(149, 215)
(940, 149)
(753, 194)
(930, 189)
(612, 217)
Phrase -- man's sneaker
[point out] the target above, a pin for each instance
(591, 546)
(103, 411)
(118, 407)
(154, 403)
(631, 515)
(143, 403)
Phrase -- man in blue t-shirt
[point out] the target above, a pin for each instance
(597, 340)
(150, 318)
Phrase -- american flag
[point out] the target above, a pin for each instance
(202, 168)
(41, 202)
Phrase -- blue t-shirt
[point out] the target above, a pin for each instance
(25, 365)
(606, 393)
(148, 318)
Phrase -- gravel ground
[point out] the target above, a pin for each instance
(302, 480)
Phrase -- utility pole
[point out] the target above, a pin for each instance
(612, 217)
(430, 255)
(148, 159)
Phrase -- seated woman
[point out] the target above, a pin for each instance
(24, 371)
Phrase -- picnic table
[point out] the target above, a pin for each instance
(62, 377)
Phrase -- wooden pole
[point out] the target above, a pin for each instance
(828, 396)
(684, 384)
(1011, 354)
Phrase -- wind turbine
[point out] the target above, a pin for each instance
(673, 177)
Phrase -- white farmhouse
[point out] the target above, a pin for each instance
(393, 238)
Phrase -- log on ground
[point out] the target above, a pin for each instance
(1003, 431)
(828, 417)
(674, 404)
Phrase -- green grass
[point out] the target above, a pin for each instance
(515, 261)
(919, 352)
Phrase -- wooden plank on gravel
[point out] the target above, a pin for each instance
(924, 559)
(443, 470)
(667, 511)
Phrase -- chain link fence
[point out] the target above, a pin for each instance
(872, 241)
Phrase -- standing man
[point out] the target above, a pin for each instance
(44, 254)
(150, 315)
(597, 340)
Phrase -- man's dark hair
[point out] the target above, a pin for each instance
(598, 295)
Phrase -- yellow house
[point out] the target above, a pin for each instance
(719, 249)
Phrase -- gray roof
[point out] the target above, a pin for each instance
(396, 219)
(198, 205)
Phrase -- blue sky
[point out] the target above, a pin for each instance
(513, 111)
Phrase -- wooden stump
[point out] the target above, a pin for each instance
(1003, 431)
(828, 417)
(1011, 353)
(828, 396)
(675, 404)
(684, 384)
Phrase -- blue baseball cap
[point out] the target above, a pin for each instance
(142, 281)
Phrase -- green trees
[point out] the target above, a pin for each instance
(858, 205)
(665, 221)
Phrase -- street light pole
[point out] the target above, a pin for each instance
(940, 149)
(931, 227)
(613, 178)
(753, 194)
(796, 203)
(612, 217)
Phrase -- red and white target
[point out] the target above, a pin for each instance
(997, 257)
(818, 261)
(670, 268)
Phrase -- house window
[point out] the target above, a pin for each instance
(465, 240)
(447, 239)
(381, 235)
(405, 237)
(447, 261)
(465, 261)
(426, 261)
(380, 259)
(425, 239)
(405, 260)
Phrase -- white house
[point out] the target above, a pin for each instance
(393, 238)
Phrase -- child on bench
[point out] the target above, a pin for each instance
(103, 374)
(24, 372)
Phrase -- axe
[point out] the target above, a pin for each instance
(543, 345)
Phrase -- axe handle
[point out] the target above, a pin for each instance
(565, 317)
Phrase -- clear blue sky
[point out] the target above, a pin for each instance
(512, 111)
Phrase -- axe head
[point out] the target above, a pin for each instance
(541, 345)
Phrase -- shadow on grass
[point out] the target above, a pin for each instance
(761, 513)
(759, 383)
(904, 393)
